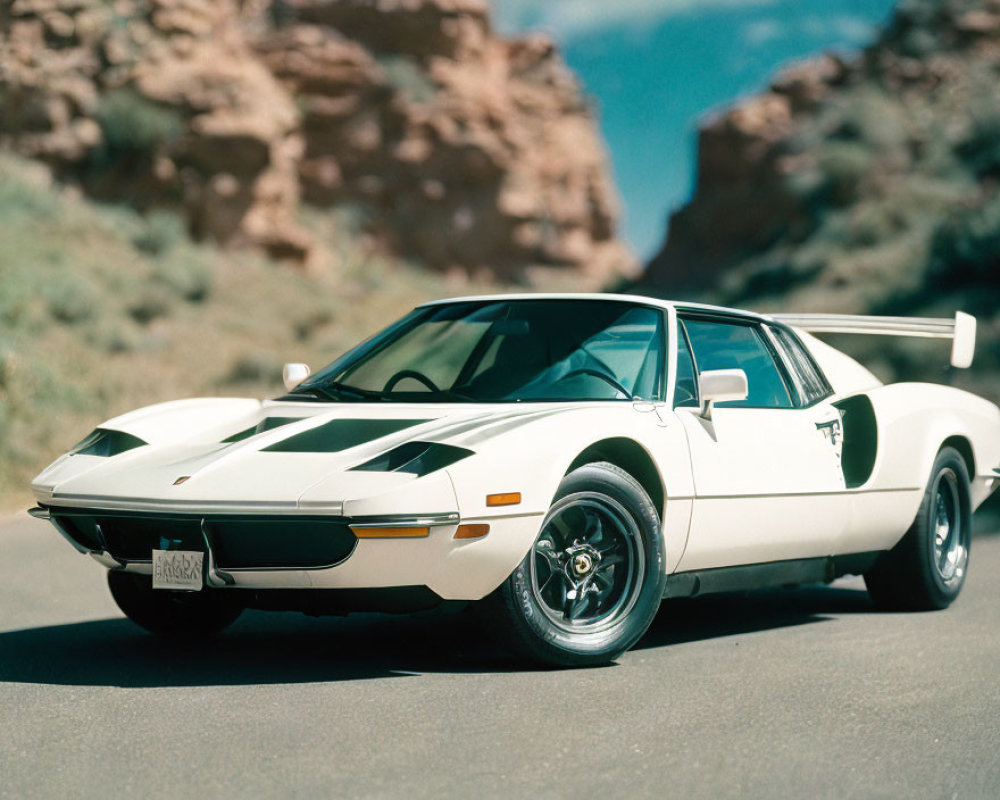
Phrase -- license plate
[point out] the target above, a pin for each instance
(177, 569)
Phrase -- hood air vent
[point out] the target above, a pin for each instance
(417, 458)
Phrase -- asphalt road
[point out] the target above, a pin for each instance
(786, 693)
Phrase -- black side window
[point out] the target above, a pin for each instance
(686, 388)
(736, 345)
(811, 381)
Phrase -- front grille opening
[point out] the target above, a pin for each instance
(281, 544)
(133, 539)
(237, 542)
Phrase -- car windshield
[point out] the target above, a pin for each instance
(504, 351)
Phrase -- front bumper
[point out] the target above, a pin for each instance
(296, 551)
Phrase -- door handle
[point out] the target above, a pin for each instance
(832, 430)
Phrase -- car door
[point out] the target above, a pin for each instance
(766, 470)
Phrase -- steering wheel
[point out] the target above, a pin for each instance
(598, 374)
(409, 373)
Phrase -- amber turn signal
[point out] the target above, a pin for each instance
(390, 532)
(472, 531)
(505, 499)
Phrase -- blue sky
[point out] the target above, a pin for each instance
(655, 67)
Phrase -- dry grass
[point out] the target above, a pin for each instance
(102, 311)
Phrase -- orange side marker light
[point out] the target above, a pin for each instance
(504, 499)
(390, 532)
(472, 531)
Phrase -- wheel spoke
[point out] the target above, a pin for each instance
(576, 607)
(550, 556)
(594, 531)
(616, 546)
(590, 550)
(560, 526)
(553, 576)
(611, 561)
(604, 581)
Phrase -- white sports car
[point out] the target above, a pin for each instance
(565, 460)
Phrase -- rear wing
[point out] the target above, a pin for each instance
(961, 330)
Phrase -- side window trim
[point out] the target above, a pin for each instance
(786, 366)
(663, 367)
(683, 334)
(765, 338)
(827, 389)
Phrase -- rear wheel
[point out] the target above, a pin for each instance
(592, 582)
(179, 615)
(927, 569)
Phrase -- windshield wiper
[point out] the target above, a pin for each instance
(333, 391)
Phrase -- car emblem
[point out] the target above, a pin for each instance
(181, 480)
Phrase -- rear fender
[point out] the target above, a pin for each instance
(915, 420)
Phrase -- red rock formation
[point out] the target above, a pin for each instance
(158, 102)
(466, 150)
(462, 149)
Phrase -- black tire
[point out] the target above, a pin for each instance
(177, 615)
(602, 536)
(927, 569)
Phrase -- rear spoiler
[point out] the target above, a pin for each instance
(961, 330)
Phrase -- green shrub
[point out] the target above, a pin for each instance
(406, 77)
(134, 127)
(257, 366)
(187, 272)
(23, 199)
(966, 247)
(71, 298)
(114, 335)
(162, 231)
(152, 302)
(981, 149)
(845, 164)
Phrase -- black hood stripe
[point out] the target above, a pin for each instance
(341, 434)
(266, 424)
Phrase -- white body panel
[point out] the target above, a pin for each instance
(768, 487)
(748, 486)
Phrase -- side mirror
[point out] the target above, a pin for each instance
(721, 386)
(294, 374)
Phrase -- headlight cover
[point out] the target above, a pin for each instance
(105, 443)
(416, 458)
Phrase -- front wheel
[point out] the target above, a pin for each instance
(927, 569)
(591, 584)
(177, 615)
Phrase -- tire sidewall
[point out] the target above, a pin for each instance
(945, 592)
(607, 643)
(180, 615)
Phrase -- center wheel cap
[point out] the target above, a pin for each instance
(582, 564)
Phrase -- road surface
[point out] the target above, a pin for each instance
(785, 693)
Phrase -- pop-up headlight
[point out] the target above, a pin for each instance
(106, 443)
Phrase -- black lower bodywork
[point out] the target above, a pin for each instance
(237, 542)
(744, 577)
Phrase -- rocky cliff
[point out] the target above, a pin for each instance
(450, 146)
(866, 185)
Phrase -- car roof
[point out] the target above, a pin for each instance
(628, 298)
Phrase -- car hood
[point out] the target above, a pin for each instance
(246, 456)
